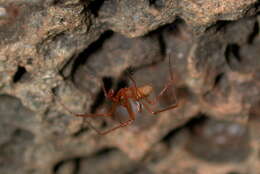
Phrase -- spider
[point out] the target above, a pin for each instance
(133, 99)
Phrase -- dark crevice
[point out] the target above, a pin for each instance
(152, 2)
(218, 79)
(254, 113)
(60, 164)
(234, 50)
(56, 2)
(65, 70)
(198, 119)
(105, 151)
(104, 125)
(95, 6)
(220, 25)
(140, 169)
(76, 166)
(98, 101)
(108, 83)
(157, 34)
(156, 3)
(162, 45)
(92, 48)
(129, 72)
(232, 56)
(233, 172)
(124, 80)
(81, 131)
(170, 135)
(176, 27)
(123, 83)
(254, 33)
(77, 160)
(57, 166)
(21, 71)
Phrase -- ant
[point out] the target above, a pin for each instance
(129, 98)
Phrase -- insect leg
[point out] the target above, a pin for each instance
(127, 105)
(158, 111)
(167, 86)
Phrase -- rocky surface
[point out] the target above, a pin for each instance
(54, 52)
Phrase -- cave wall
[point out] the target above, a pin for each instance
(55, 53)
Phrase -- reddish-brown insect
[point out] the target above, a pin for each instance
(132, 99)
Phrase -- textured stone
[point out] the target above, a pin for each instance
(54, 52)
